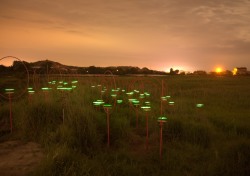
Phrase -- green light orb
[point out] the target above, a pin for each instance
(199, 105)
(162, 119)
(135, 101)
(46, 88)
(31, 91)
(146, 108)
(113, 95)
(74, 82)
(64, 88)
(142, 96)
(171, 103)
(136, 91)
(164, 98)
(130, 93)
(98, 103)
(9, 91)
(119, 101)
(107, 106)
(131, 100)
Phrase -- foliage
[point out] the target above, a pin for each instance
(212, 140)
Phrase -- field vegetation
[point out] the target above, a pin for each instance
(213, 139)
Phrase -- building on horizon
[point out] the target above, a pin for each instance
(240, 71)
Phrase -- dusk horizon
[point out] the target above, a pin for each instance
(159, 35)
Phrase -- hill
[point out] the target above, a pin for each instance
(47, 66)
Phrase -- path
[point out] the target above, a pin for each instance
(18, 158)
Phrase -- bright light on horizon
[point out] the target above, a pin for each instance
(218, 70)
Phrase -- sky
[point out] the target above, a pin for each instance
(187, 35)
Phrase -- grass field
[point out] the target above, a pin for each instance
(211, 140)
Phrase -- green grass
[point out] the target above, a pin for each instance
(212, 140)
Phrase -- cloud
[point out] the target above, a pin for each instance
(134, 28)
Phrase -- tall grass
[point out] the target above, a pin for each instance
(212, 140)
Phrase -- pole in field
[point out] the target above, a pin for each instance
(30, 92)
(146, 109)
(9, 92)
(107, 108)
(161, 121)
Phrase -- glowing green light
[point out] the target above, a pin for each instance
(171, 103)
(74, 82)
(99, 85)
(98, 102)
(30, 88)
(136, 91)
(164, 98)
(73, 87)
(107, 106)
(93, 86)
(31, 91)
(113, 95)
(64, 88)
(130, 93)
(147, 94)
(46, 88)
(142, 96)
(135, 101)
(147, 103)
(146, 108)
(103, 91)
(168, 96)
(199, 105)
(119, 101)
(123, 90)
(162, 119)
(9, 91)
(49, 82)
(65, 83)
(131, 100)
(60, 82)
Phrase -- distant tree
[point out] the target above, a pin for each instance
(173, 72)
(3, 69)
(145, 70)
(200, 72)
(182, 73)
(227, 73)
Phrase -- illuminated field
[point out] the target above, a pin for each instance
(207, 129)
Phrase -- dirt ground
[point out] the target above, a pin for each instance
(18, 158)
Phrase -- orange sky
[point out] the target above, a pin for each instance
(185, 35)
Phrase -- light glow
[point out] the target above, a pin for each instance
(218, 70)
